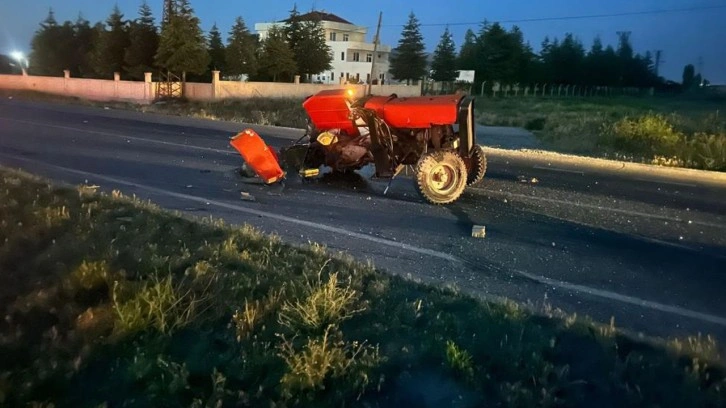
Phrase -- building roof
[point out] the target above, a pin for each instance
(322, 16)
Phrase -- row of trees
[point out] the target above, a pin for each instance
(178, 45)
(500, 55)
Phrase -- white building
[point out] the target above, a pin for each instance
(352, 55)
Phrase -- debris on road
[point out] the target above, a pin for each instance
(245, 196)
(478, 231)
(534, 180)
(189, 186)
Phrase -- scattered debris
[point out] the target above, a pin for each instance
(106, 108)
(534, 180)
(85, 121)
(245, 196)
(478, 231)
(368, 198)
(553, 244)
(189, 186)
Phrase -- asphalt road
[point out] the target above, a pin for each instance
(649, 253)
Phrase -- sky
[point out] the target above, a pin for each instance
(695, 37)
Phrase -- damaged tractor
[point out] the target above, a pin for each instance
(434, 134)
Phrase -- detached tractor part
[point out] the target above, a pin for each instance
(259, 157)
(346, 133)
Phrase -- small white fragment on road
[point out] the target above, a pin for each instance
(534, 180)
(10, 97)
(690, 222)
(553, 244)
(368, 198)
(85, 121)
(478, 231)
(106, 108)
(506, 201)
(245, 196)
(189, 186)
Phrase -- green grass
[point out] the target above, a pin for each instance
(107, 299)
(677, 131)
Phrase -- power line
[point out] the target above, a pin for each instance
(581, 17)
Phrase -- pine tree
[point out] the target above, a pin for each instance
(83, 39)
(277, 60)
(312, 53)
(144, 41)
(216, 50)
(182, 46)
(110, 49)
(45, 57)
(408, 61)
(241, 58)
(467, 59)
(444, 59)
(689, 77)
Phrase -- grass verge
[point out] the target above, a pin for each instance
(287, 112)
(110, 301)
(673, 131)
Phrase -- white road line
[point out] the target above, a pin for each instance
(675, 183)
(582, 173)
(140, 139)
(601, 208)
(252, 211)
(721, 321)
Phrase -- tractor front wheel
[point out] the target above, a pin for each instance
(441, 176)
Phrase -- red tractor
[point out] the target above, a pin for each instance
(435, 134)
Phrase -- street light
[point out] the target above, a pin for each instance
(20, 57)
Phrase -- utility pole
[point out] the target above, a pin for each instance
(375, 53)
(657, 61)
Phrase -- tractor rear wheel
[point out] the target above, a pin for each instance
(441, 176)
(476, 166)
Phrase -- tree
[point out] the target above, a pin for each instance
(241, 58)
(467, 59)
(182, 46)
(444, 60)
(312, 53)
(83, 35)
(306, 39)
(277, 59)
(110, 49)
(48, 56)
(216, 49)
(689, 76)
(144, 41)
(408, 61)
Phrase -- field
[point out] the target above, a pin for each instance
(108, 300)
(677, 131)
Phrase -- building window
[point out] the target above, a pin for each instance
(356, 56)
(369, 57)
(345, 37)
(342, 56)
(332, 36)
(379, 56)
(332, 75)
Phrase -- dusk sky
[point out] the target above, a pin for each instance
(683, 36)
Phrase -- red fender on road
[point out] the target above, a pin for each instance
(259, 156)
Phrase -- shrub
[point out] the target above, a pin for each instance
(648, 134)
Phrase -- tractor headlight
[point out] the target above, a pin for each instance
(327, 138)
